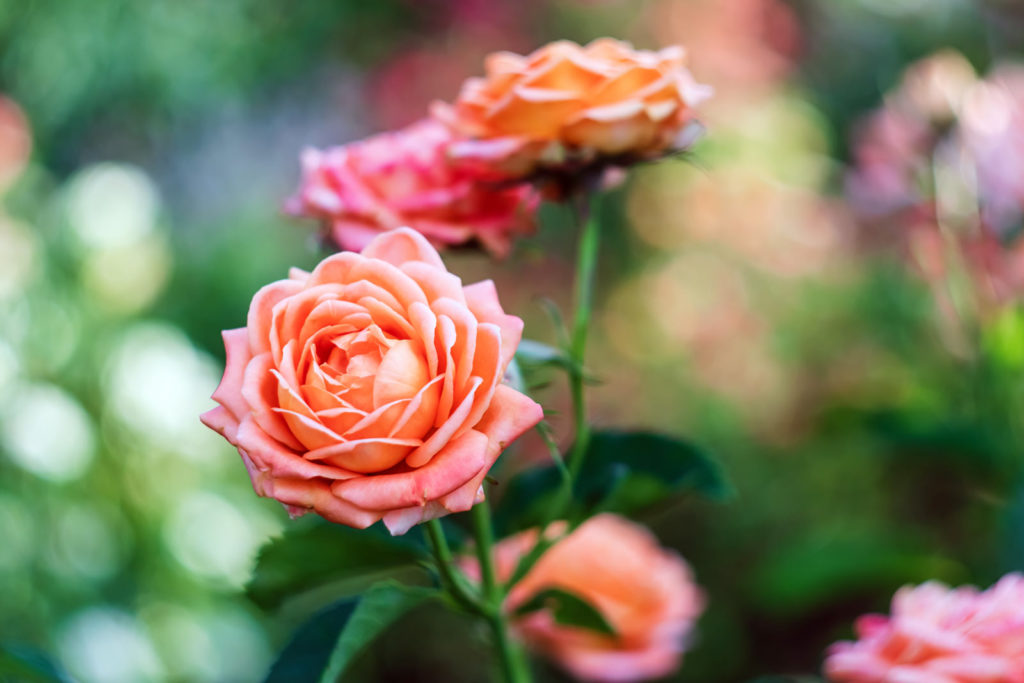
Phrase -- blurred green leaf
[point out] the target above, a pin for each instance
(805, 576)
(623, 472)
(538, 353)
(308, 557)
(324, 646)
(22, 662)
(382, 605)
(568, 609)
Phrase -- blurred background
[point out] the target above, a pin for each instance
(825, 296)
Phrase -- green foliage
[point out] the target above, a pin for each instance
(623, 472)
(380, 607)
(25, 664)
(312, 555)
(568, 609)
(323, 647)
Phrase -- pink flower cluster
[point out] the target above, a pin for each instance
(938, 635)
(404, 178)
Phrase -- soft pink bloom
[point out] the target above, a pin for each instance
(371, 388)
(938, 635)
(645, 592)
(405, 178)
(567, 105)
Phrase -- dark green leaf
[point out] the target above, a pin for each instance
(568, 609)
(330, 640)
(623, 472)
(317, 553)
(380, 607)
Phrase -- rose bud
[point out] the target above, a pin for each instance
(938, 635)
(646, 593)
(371, 388)
(567, 106)
(405, 178)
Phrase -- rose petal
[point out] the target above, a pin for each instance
(228, 392)
(402, 246)
(458, 462)
(482, 300)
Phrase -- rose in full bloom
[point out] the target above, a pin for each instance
(939, 635)
(371, 388)
(645, 592)
(405, 178)
(567, 105)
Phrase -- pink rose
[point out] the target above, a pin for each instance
(645, 592)
(938, 635)
(405, 178)
(371, 388)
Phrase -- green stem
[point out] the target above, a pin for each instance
(510, 655)
(586, 265)
(452, 581)
(583, 292)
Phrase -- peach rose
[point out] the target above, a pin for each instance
(645, 592)
(404, 178)
(371, 388)
(938, 635)
(567, 103)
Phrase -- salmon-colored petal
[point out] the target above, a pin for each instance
(445, 342)
(535, 112)
(342, 448)
(424, 322)
(316, 495)
(272, 457)
(569, 72)
(487, 367)
(463, 345)
(400, 521)
(509, 415)
(260, 390)
(503, 62)
(298, 274)
(450, 429)
(379, 422)
(369, 456)
(458, 462)
(616, 136)
(308, 429)
(482, 300)
(418, 416)
(402, 246)
(221, 421)
(261, 312)
(229, 391)
(401, 374)
(435, 283)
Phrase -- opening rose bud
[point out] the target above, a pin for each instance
(567, 106)
(371, 388)
(646, 593)
(406, 178)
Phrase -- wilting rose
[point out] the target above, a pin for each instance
(567, 104)
(939, 635)
(645, 592)
(371, 388)
(405, 178)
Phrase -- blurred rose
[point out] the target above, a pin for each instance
(404, 178)
(939, 635)
(371, 388)
(570, 104)
(645, 592)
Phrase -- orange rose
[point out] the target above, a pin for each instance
(645, 592)
(570, 104)
(371, 387)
